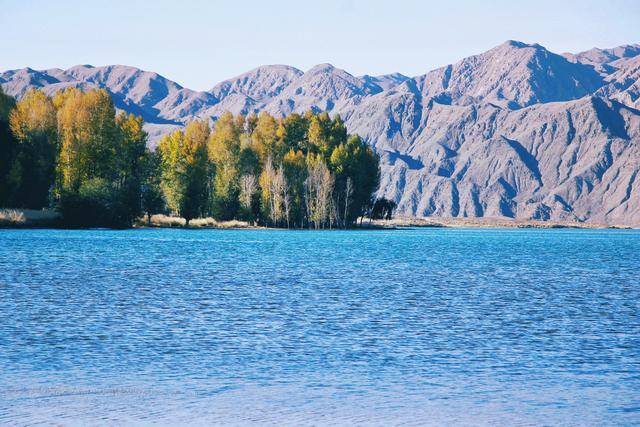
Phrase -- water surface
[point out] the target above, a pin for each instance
(424, 326)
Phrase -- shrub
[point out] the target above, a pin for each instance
(97, 204)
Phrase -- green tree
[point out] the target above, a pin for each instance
(357, 171)
(9, 178)
(33, 123)
(130, 165)
(152, 197)
(224, 155)
(295, 170)
(185, 170)
(101, 159)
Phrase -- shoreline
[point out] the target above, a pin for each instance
(35, 219)
(499, 222)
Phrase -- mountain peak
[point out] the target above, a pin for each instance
(257, 85)
(603, 59)
(322, 68)
(514, 75)
(515, 43)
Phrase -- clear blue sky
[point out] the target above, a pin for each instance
(198, 43)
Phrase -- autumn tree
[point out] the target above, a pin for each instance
(299, 170)
(318, 192)
(89, 137)
(224, 154)
(185, 170)
(100, 162)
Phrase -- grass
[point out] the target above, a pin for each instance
(12, 217)
(172, 221)
(487, 222)
(28, 217)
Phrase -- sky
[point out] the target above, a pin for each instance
(199, 43)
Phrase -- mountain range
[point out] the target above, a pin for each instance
(517, 131)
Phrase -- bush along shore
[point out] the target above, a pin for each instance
(72, 154)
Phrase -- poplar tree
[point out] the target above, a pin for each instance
(33, 124)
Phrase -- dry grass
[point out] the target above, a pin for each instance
(172, 221)
(486, 222)
(27, 217)
(12, 217)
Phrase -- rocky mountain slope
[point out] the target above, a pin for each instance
(517, 131)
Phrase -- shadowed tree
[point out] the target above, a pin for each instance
(33, 123)
(9, 182)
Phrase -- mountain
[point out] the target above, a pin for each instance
(624, 83)
(517, 131)
(249, 92)
(601, 59)
(513, 75)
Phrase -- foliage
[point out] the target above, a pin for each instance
(8, 149)
(185, 170)
(383, 209)
(72, 151)
(33, 124)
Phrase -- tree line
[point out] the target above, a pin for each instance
(71, 151)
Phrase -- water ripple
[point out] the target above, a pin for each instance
(430, 326)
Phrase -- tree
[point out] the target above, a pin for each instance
(271, 193)
(130, 165)
(194, 152)
(224, 155)
(9, 178)
(299, 170)
(33, 123)
(383, 209)
(101, 159)
(281, 191)
(151, 188)
(89, 138)
(348, 194)
(295, 171)
(173, 169)
(249, 197)
(293, 132)
(318, 191)
(355, 161)
(185, 170)
(265, 138)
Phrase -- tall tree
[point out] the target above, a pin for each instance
(173, 166)
(295, 170)
(265, 137)
(33, 123)
(224, 155)
(185, 169)
(9, 182)
(152, 197)
(194, 202)
(249, 197)
(101, 160)
(130, 164)
(318, 192)
(89, 137)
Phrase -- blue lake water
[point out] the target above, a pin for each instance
(412, 327)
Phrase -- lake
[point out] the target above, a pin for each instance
(414, 327)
